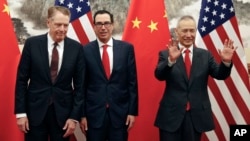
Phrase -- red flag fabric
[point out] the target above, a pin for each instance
(229, 98)
(147, 29)
(9, 58)
(80, 29)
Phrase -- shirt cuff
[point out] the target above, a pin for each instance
(226, 63)
(170, 63)
(21, 115)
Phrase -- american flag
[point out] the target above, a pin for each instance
(80, 29)
(229, 98)
(81, 26)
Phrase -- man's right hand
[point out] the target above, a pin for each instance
(23, 124)
(84, 125)
(174, 51)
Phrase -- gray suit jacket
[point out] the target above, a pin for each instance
(179, 90)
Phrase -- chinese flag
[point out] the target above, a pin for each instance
(9, 58)
(147, 29)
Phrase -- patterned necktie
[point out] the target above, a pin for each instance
(105, 61)
(187, 62)
(54, 63)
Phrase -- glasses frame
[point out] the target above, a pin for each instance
(105, 24)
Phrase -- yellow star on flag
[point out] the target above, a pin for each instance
(136, 23)
(6, 9)
(165, 14)
(153, 26)
(147, 44)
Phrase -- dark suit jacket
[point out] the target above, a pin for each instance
(180, 90)
(120, 91)
(34, 88)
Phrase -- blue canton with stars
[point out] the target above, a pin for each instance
(77, 8)
(214, 13)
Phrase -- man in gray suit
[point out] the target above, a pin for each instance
(47, 103)
(185, 110)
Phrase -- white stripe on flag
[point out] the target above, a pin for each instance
(225, 93)
(220, 118)
(71, 33)
(87, 26)
(211, 135)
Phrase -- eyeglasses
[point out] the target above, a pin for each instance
(100, 24)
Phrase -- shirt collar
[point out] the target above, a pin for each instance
(190, 48)
(51, 42)
(109, 43)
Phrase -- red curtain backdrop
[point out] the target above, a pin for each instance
(147, 29)
(9, 58)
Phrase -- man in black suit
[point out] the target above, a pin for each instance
(111, 98)
(185, 110)
(48, 104)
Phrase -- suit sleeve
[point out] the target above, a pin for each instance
(220, 71)
(23, 75)
(132, 84)
(162, 67)
(78, 80)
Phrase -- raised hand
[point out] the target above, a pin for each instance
(174, 51)
(228, 50)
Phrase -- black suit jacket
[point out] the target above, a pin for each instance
(120, 91)
(34, 88)
(180, 90)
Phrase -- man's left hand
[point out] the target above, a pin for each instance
(227, 52)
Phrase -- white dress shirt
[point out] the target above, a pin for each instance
(109, 51)
(60, 48)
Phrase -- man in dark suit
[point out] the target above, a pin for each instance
(111, 98)
(48, 103)
(185, 110)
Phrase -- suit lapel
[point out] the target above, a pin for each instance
(181, 66)
(116, 54)
(65, 56)
(95, 54)
(97, 57)
(43, 46)
(195, 64)
(66, 49)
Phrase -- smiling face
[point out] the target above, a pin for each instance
(58, 26)
(186, 31)
(103, 27)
